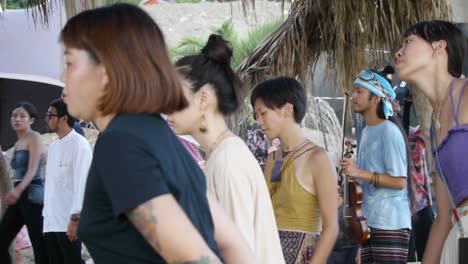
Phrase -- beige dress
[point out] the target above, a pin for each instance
(235, 178)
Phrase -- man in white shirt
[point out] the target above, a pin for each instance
(68, 161)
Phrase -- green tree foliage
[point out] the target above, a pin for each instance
(16, 4)
(242, 47)
(133, 2)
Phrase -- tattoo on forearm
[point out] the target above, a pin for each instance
(203, 260)
(144, 220)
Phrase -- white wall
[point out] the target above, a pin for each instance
(460, 10)
(26, 48)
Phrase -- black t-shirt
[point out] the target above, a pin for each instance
(137, 158)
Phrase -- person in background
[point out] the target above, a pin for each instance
(5, 181)
(22, 242)
(5, 185)
(68, 161)
(194, 151)
(260, 145)
(22, 209)
(383, 171)
(421, 209)
(78, 128)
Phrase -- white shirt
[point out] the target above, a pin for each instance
(68, 162)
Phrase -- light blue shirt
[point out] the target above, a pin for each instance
(383, 150)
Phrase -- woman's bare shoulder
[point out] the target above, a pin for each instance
(34, 140)
(34, 136)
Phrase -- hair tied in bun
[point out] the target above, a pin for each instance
(218, 49)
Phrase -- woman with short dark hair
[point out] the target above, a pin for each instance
(431, 58)
(145, 199)
(300, 176)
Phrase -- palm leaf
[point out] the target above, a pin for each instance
(226, 31)
(254, 37)
(188, 46)
(241, 47)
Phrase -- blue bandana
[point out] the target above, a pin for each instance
(379, 86)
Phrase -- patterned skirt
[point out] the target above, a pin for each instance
(298, 247)
(386, 247)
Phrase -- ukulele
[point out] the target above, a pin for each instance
(352, 193)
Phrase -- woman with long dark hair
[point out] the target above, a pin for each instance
(232, 172)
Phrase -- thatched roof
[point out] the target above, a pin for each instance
(344, 30)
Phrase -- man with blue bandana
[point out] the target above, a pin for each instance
(382, 170)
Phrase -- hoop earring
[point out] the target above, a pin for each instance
(203, 128)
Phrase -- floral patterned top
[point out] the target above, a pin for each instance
(419, 171)
(260, 145)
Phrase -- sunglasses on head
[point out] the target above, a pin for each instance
(372, 78)
(367, 76)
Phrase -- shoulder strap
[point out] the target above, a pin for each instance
(305, 151)
(460, 99)
(435, 148)
(291, 155)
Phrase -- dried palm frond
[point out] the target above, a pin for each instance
(351, 33)
(40, 10)
(287, 43)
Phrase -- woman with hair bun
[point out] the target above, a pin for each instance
(233, 175)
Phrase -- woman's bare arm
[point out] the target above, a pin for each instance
(35, 152)
(166, 227)
(441, 226)
(325, 179)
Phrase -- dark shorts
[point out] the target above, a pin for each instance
(343, 255)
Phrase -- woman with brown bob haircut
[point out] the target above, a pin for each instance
(145, 198)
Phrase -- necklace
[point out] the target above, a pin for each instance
(442, 103)
(286, 152)
(216, 143)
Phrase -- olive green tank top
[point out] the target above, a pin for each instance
(295, 208)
